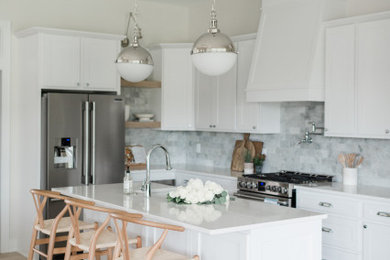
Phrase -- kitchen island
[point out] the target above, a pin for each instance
(242, 229)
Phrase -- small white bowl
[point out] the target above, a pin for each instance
(146, 116)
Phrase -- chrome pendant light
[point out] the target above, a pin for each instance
(134, 63)
(213, 53)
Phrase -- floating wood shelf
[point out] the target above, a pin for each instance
(135, 124)
(142, 84)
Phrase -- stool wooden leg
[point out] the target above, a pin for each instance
(50, 246)
(68, 248)
(139, 242)
(109, 256)
(32, 244)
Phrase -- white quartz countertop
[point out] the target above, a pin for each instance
(365, 191)
(238, 215)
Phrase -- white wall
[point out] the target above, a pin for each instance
(359, 7)
(234, 17)
(159, 21)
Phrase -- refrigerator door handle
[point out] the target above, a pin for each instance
(86, 143)
(93, 141)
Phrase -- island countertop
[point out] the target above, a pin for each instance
(238, 215)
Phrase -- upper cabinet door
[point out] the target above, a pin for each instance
(177, 89)
(206, 101)
(226, 100)
(340, 117)
(60, 62)
(247, 113)
(98, 64)
(373, 78)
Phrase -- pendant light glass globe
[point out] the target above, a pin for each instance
(134, 63)
(213, 53)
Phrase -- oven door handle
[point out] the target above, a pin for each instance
(247, 196)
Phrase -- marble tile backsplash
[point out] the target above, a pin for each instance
(283, 150)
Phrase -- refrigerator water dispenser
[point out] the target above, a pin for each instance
(65, 154)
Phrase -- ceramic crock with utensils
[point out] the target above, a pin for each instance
(350, 163)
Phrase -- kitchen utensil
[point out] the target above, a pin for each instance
(341, 159)
(359, 161)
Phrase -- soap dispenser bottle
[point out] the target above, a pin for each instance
(127, 182)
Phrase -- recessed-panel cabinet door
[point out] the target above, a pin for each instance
(206, 101)
(340, 118)
(373, 79)
(60, 61)
(376, 241)
(226, 100)
(177, 90)
(247, 113)
(98, 64)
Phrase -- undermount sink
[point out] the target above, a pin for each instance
(157, 187)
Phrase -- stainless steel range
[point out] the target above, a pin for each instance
(276, 188)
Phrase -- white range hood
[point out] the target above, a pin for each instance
(288, 62)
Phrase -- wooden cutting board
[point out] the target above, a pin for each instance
(240, 149)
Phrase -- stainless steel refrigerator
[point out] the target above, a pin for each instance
(82, 141)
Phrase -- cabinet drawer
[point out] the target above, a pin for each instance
(342, 233)
(378, 212)
(330, 204)
(329, 253)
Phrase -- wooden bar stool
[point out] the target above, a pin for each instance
(122, 251)
(51, 227)
(97, 242)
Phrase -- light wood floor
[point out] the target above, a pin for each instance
(12, 256)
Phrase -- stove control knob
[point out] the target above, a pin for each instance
(274, 188)
(279, 189)
(253, 185)
(249, 185)
(243, 184)
(268, 187)
(284, 190)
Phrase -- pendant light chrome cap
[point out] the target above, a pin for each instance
(213, 42)
(134, 63)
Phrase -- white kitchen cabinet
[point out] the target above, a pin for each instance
(376, 241)
(61, 61)
(216, 101)
(340, 101)
(288, 59)
(252, 117)
(73, 60)
(357, 66)
(173, 66)
(98, 63)
(373, 77)
(358, 227)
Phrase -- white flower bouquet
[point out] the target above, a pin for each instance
(198, 193)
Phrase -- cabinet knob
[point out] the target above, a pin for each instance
(326, 129)
(211, 126)
(365, 226)
(387, 131)
(253, 127)
(214, 126)
(78, 83)
(87, 84)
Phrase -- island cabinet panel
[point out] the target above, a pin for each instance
(361, 234)
(357, 66)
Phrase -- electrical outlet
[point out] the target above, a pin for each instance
(198, 148)
(264, 151)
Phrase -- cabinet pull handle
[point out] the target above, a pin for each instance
(383, 214)
(325, 204)
(78, 83)
(327, 230)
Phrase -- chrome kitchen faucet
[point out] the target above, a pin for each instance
(146, 185)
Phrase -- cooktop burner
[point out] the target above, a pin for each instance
(292, 177)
